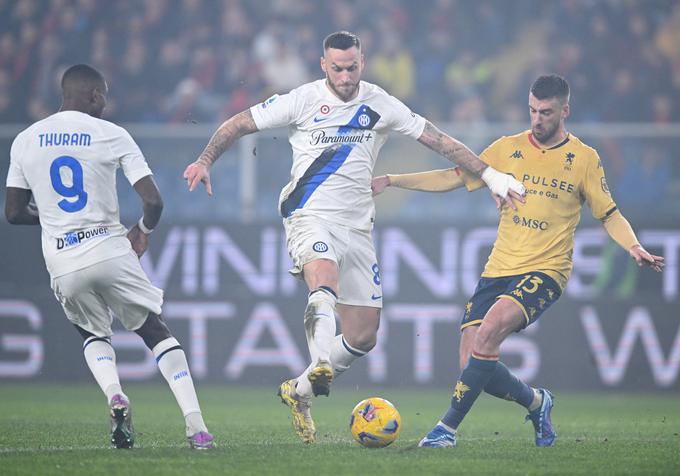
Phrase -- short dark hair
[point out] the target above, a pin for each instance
(341, 40)
(550, 86)
(83, 74)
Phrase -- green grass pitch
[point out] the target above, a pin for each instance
(49, 429)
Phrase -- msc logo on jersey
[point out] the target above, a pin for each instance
(530, 223)
(517, 155)
(269, 101)
(320, 247)
(568, 161)
(76, 237)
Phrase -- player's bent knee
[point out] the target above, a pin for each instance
(153, 331)
(363, 342)
(487, 337)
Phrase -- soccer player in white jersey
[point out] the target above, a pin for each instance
(67, 163)
(336, 125)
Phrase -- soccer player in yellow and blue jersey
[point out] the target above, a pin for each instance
(531, 259)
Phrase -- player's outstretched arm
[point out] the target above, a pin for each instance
(230, 130)
(18, 209)
(620, 230)
(442, 180)
(503, 185)
(147, 189)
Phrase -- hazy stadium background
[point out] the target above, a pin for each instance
(177, 68)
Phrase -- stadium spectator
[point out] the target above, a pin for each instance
(471, 38)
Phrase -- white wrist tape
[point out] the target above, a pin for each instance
(500, 183)
(143, 227)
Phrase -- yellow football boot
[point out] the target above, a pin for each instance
(300, 409)
(321, 377)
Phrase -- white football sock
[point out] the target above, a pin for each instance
(101, 359)
(342, 355)
(304, 386)
(174, 366)
(320, 329)
(320, 323)
(537, 401)
(446, 427)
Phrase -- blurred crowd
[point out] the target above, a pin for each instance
(453, 61)
(174, 61)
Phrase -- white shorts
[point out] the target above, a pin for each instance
(119, 285)
(309, 238)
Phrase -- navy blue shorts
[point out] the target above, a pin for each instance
(534, 292)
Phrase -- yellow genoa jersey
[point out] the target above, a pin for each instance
(539, 236)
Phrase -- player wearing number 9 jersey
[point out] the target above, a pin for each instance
(67, 163)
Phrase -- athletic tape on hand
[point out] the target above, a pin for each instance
(500, 183)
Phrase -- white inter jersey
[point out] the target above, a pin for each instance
(335, 146)
(69, 162)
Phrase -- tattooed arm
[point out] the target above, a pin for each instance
(232, 129)
(455, 151)
(504, 188)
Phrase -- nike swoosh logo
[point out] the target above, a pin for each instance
(319, 119)
(375, 298)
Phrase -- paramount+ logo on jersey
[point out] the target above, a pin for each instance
(530, 223)
(75, 238)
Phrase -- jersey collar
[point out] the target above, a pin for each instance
(535, 143)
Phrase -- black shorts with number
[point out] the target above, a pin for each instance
(534, 292)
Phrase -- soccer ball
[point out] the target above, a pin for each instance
(375, 422)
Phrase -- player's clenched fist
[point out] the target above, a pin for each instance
(198, 172)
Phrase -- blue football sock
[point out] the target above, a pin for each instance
(504, 384)
(470, 384)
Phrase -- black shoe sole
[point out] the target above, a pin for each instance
(121, 437)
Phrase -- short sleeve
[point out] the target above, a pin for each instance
(132, 160)
(277, 111)
(492, 154)
(595, 189)
(403, 120)
(15, 174)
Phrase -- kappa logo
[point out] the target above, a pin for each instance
(517, 155)
(320, 247)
